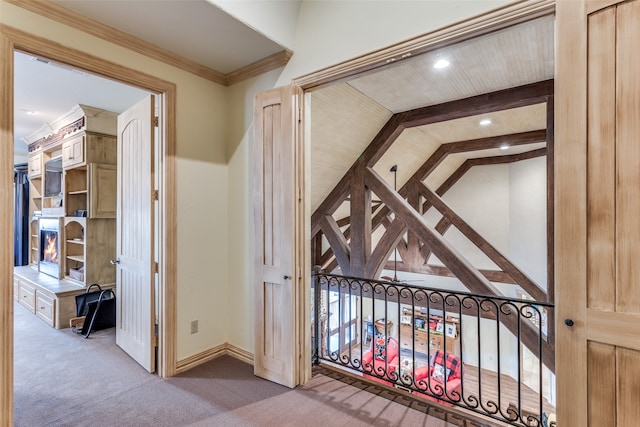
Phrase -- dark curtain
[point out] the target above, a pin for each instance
(21, 216)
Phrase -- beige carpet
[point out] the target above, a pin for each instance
(62, 379)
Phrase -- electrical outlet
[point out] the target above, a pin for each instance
(194, 326)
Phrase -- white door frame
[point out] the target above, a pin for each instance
(11, 40)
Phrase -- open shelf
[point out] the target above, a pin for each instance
(78, 192)
(79, 258)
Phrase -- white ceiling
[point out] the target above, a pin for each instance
(194, 29)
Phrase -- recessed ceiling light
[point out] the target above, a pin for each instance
(443, 63)
(504, 147)
(485, 122)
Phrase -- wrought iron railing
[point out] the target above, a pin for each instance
(486, 354)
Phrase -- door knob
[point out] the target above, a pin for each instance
(568, 322)
(115, 261)
(286, 277)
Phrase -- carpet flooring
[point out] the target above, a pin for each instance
(62, 379)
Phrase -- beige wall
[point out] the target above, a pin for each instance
(201, 178)
(328, 32)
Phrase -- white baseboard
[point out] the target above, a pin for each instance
(210, 354)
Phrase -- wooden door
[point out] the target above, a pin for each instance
(277, 212)
(598, 213)
(135, 315)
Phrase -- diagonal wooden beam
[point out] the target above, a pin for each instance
(466, 272)
(458, 265)
(495, 101)
(489, 250)
(512, 139)
(337, 241)
(382, 141)
(384, 248)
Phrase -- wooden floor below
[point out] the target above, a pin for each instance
(500, 391)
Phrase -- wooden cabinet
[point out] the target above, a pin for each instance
(421, 333)
(90, 244)
(88, 147)
(27, 295)
(45, 307)
(73, 152)
(35, 165)
(51, 300)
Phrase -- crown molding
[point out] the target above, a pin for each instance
(90, 26)
(269, 63)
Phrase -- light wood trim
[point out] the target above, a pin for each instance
(596, 5)
(213, 353)
(240, 354)
(602, 384)
(627, 156)
(619, 329)
(272, 62)
(488, 22)
(75, 20)
(168, 199)
(6, 230)
(570, 211)
(72, 19)
(601, 161)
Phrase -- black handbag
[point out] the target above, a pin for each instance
(83, 300)
(101, 314)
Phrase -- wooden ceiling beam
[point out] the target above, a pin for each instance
(489, 250)
(512, 139)
(384, 248)
(495, 101)
(520, 96)
(466, 272)
(438, 270)
(337, 241)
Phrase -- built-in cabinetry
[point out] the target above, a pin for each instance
(427, 333)
(72, 175)
(52, 300)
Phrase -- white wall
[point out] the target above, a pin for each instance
(239, 304)
(276, 19)
(528, 218)
(327, 33)
(202, 172)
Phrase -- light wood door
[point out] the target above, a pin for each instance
(276, 221)
(598, 213)
(134, 248)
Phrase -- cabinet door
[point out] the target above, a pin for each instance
(102, 190)
(73, 152)
(45, 306)
(27, 296)
(35, 165)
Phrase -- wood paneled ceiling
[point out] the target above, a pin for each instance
(346, 116)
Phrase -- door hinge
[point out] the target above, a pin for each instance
(299, 194)
(156, 121)
(156, 267)
(156, 196)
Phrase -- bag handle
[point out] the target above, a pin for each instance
(103, 294)
(91, 286)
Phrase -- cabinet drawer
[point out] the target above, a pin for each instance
(73, 152)
(45, 307)
(27, 296)
(35, 165)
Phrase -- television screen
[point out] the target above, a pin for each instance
(53, 178)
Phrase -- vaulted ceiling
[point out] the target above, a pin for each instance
(347, 116)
